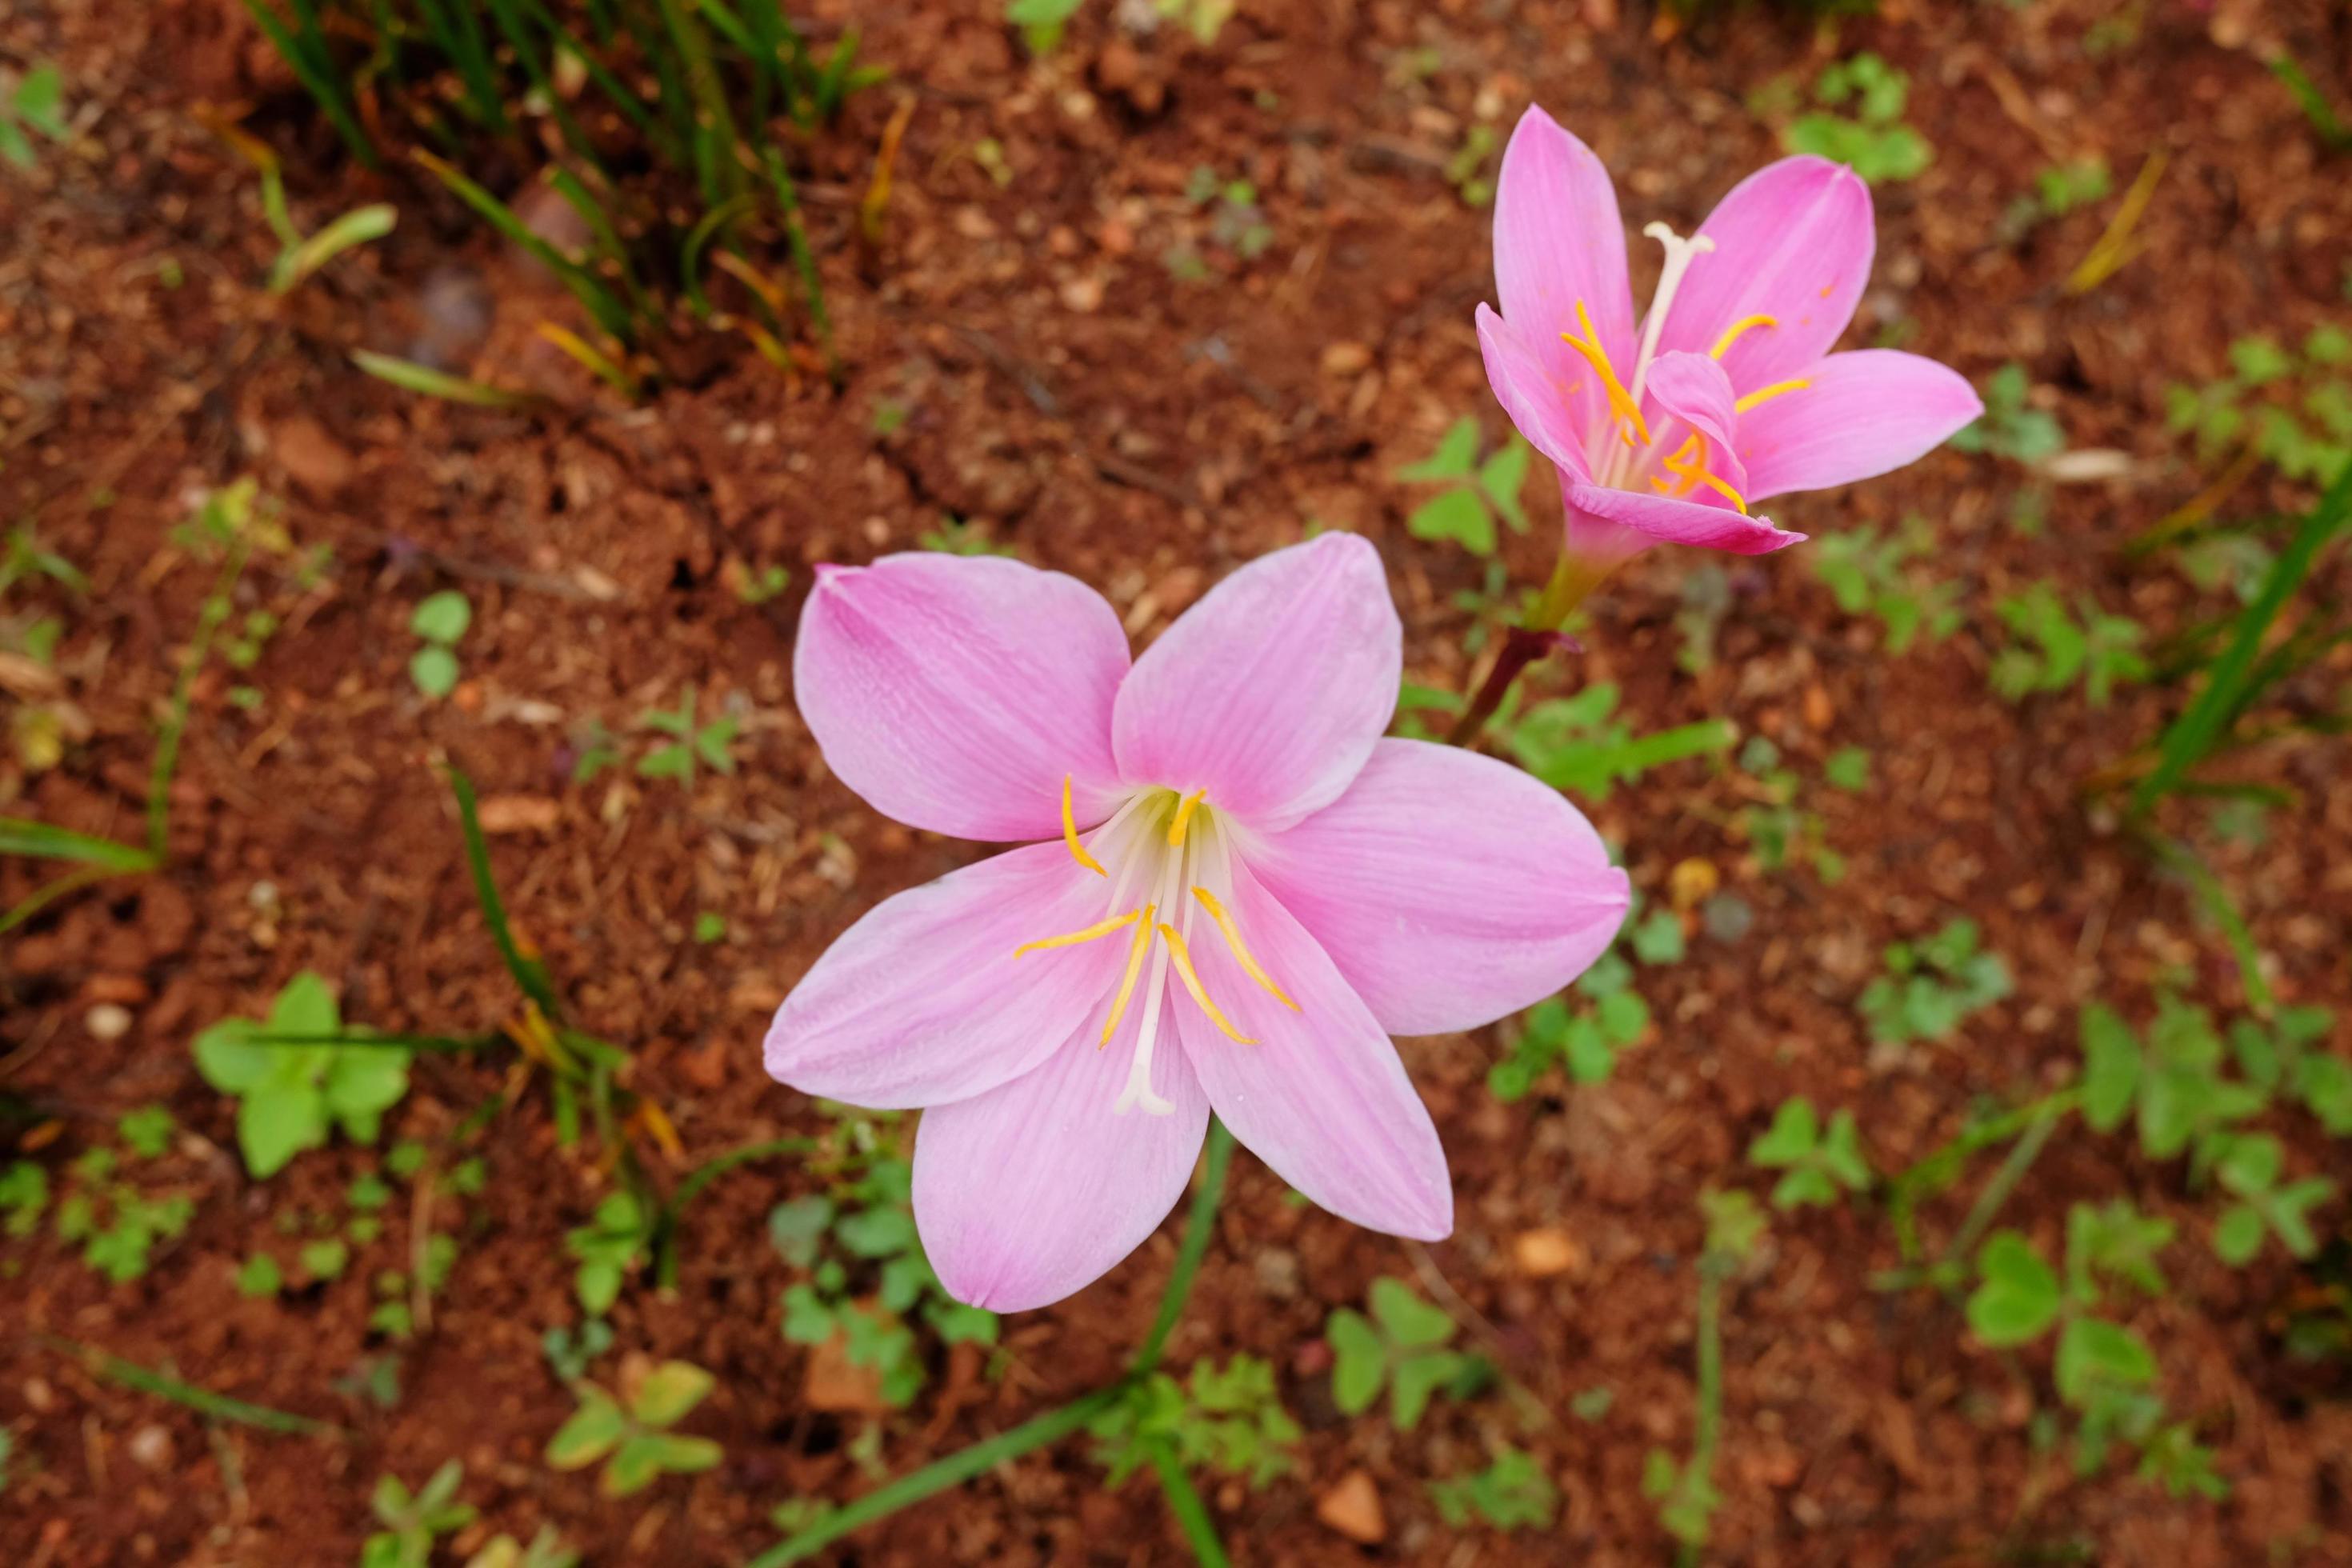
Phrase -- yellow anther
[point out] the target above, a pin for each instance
(1101, 929)
(1193, 982)
(1135, 952)
(1766, 394)
(1621, 402)
(1070, 834)
(1241, 952)
(1694, 472)
(1732, 333)
(1184, 818)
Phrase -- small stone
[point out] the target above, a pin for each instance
(150, 1448)
(1540, 1254)
(1083, 294)
(835, 1384)
(520, 813)
(107, 1021)
(1344, 359)
(1692, 880)
(313, 458)
(1818, 710)
(1353, 1509)
(39, 1396)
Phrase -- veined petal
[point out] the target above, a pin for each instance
(1609, 525)
(1321, 1095)
(1693, 389)
(955, 693)
(1448, 889)
(1035, 1189)
(1538, 405)
(1559, 241)
(1270, 691)
(1863, 414)
(1793, 242)
(922, 1002)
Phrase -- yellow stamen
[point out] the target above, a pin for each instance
(1725, 491)
(1621, 402)
(1694, 472)
(1732, 333)
(1134, 967)
(1092, 932)
(1200, 992)
(1766, 394)
(1070, 834)
(1183, 818)
(1241, 951)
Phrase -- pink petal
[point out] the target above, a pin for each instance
(1559, 240)
(1270, 691)
(1538, 405)
(1607, 526)
(1449, 889)
(1792, 241)
(923, 1001)
(1866, 412)
(1037, 1189)
(954, 693)
(1693, 389)
(1321, 1095)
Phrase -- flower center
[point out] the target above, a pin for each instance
(1641, 454)
(1154, 850)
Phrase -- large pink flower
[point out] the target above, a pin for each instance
(1243, 891)
(1729, 394)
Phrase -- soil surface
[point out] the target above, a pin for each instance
(1056, 346)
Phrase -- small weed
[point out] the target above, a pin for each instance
(956, 538)
(261, 1276)
(1874, 142)
(1511, 1493)
(2010, 427)
(35, 103)
(412, 1522)
(1848, 769)
(1574, 743)
(1884, 577)
(1821, 1165)
(1467, 171)
(691, 742)
(571, 1351)
(1686, 1493)
(756, 588)
(1586, 1042)
(608, 1248)
(1476, 493)
(440, 620)
(1930, 987)
(2058, 190)
(709, 927)
(546, 1550)
(1400, 1347)
(635, 1442)
(300, 1074)
(2102, 649)
(2291, 410)
(1230, 1421)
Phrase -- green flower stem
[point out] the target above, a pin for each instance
(1184, 1502)
(2022, 1155)
(1055, 1425)
(1199, 1226)
(938, 1475)
(1706, 1421)
(664, 1232)
(1571, 579)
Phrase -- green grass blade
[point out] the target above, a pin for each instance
(316, 72)
(531, 52)
(608, 310)
(175, 722)
(788, 200)
(2198, 729)
(203, 1401)
(358, 226)
(22, 836)
(615, 90)
(665, 1231)
(427, 382)
(1190, 1513)
(938, 1477)
(529, 973)
(457, 28)
(41, 898)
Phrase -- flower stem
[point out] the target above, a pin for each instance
(1199, 1226)
(1571, 579)
(1184, 1502)
(940, 1474)
(1055, 1425)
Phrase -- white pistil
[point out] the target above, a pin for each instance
(1139, 1090)
(1680, 254)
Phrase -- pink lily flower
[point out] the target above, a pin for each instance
(1727, 393)
(1243, 890)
